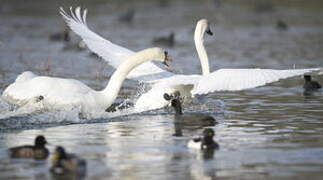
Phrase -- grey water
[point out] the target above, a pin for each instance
(270, 132)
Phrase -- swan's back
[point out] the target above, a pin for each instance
(25, 76)
(54, 90)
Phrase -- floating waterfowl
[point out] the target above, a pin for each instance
(36, 151)
(197, 119)
(64, 163)
(205, 142)
(61, 36)
(128, 17)
(281, 25)
(310, 86)
(165, 41)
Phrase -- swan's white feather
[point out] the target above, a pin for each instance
(176, 80)
(154, 98)
(109, 51)
(67, 94)
(62, 92)
(167, 82)
(194, 145)
(25, 76)
(240, 79)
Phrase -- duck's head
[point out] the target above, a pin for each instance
(208, 133)
(58, 154)
(307, 77)
(40, 141)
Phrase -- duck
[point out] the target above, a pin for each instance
(191, 119)
(74, 46)
(310, 86)
(163, 80)
(204, 143)
(128, 17)
(69, 94)
(37, 151)
(165, 41)
(64, 163)
(61, 36)
(281, 25)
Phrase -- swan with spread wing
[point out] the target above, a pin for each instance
(67, 94)
(164, 81)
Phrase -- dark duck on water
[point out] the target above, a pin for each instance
(191, 118)
(206, 142)
(37, 151)
(64, 163)
(310, 86)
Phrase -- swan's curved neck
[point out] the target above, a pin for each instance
(112, 89)
(199, 44)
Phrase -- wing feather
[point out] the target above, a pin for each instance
(240, 79)
(177, 80)
(109, 51)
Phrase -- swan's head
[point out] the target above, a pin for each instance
(204, 27)
(160, 54)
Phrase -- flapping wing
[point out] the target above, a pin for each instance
(109, 51)
(240, 79)
(177, 80)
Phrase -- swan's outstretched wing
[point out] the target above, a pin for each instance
(240, 79)
(110, 52)
(177, 80)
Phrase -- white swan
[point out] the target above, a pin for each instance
(59, 93)
(167, 82)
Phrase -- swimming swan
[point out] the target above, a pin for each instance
(59, 93)
(168, 82)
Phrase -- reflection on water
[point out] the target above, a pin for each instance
(268, 132)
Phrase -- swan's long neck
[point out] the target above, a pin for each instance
(112, 89)
(199, 44)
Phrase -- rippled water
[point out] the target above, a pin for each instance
(264, 133)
